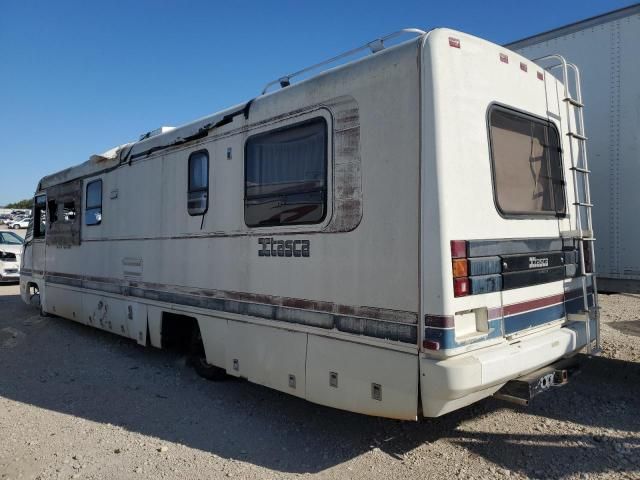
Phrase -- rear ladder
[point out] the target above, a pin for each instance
(582, 193)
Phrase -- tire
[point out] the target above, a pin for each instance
(198, 361)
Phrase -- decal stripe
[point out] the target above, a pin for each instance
(517, 317)
(389, 324)
(516, 308)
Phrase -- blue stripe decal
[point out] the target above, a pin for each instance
(446, 337)
(525, 320)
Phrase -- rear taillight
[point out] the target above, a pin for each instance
(460, 287)
(458, 249)
(460, 268)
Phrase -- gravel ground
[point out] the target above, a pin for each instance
(76, 402)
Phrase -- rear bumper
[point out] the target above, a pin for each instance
(453, 383)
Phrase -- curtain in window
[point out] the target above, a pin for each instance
(527, 165)
(286, 175)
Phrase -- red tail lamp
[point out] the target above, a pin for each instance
(460, 268)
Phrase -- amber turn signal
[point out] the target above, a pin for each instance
(460, 267)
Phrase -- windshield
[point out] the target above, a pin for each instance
(10, 238)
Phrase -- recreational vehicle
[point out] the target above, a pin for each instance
(402, 234)
(606, 50)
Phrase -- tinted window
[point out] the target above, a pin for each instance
(286, 175)
(39, 216)
(69, 211)
(93, 210)
(52, 206)
(527, 165)
(198, 188)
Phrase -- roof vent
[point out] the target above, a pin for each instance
(157, 131)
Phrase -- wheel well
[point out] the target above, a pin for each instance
(32, 289)
(177, 331)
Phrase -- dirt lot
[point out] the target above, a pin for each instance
(80, 403)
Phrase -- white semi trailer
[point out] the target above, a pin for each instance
(605, 48)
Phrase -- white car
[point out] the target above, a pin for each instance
(10, 252)
(24, 223)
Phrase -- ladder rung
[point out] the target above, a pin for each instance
(576, 135)
(573, 102)
(583, 204)
(578, 234)
(580, 169)
(589, 239)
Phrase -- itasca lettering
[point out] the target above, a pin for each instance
(535, 262)
(271, 247)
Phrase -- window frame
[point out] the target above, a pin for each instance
(90, 207)
(36, 233)
(189, 190)
(551, 215)
(325, 123)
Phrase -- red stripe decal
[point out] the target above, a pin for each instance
(439, 321)
(532, 304)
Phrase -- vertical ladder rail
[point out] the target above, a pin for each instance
(587, 193)
(575, 104)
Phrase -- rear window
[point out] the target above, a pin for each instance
(527, 165)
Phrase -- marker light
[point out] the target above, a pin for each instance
(431, 345)
(523, 67)
(540, 76)
(504, 58)
(454, 42)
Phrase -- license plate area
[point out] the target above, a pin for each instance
(523, 389)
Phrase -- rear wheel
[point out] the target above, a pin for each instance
(198, 360)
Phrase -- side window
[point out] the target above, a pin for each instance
(52, 206)
(286, 175)
(93, 202)
(198, 187)
(69, 211)
(39, 216)
(527, 164)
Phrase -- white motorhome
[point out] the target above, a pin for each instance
(606, 50)
(396, 236)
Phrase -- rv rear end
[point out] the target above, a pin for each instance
(503, 293)
(423, 247)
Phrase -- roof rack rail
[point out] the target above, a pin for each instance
(374, 45)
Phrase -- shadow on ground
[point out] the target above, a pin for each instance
(65, 367)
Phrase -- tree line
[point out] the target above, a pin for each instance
(22, 204)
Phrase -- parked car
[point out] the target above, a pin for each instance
(23, 223)
(10, 252)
